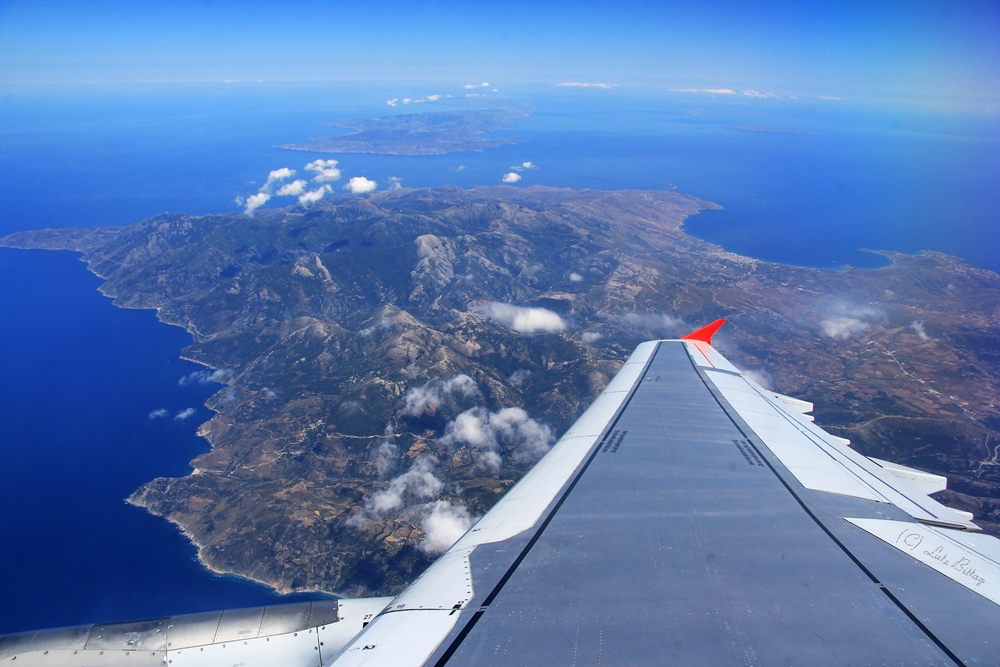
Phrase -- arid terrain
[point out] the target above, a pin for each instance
(395, 362)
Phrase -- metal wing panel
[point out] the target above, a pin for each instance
(290, 634)
(939, 550)
(413, 626)
(819, 461)
(679, 545)
(924, 482)
(809, 462)
(663, 528)
(960, 620)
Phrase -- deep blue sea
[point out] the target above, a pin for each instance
(79, 377)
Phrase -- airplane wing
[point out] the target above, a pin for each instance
(691, 517)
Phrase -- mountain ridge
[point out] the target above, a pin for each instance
(363, 332)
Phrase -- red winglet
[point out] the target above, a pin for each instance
(705, 333)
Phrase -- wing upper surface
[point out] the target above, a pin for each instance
(691, 516)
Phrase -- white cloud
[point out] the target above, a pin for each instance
(433, 98)
(575, 277)
(313, 196)
(239, 201)
(325, 170)
(654, 323)
(436, 393)
(522, 319)
(591, 336)
(159, 414)
(847, 320)
(829, 97)
(292, 189)
(523, 166)
(754, 93)
(442, 523)
(484, 84)
(395, 183)
(519, 377)
(386, 453)
(406, 100)
(580, 84)
(531, 438)
(761, 377)
(417, 482)
(469, 86)
(710, 91)
(268, 392)
(392, 102)
(842, 327)
(381, 323)
(472, 427)
(918, 328)
(254, 202)
(222, 376)
(349, 407)
(511, 177)
(486, 431)
(227, 396)
(385, 457)
(359, 185)
(184, 414)
(276, 176)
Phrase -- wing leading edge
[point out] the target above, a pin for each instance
(692, 516)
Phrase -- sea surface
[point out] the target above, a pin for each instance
(808, 182)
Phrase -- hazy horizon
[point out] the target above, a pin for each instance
(932, 55)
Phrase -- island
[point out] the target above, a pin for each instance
(419, 133)
(396, 361)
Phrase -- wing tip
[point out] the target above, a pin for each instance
(705, 333)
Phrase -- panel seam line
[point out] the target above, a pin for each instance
(596, 448)
(916, 621)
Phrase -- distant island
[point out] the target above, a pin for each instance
(768, 128)
(418, 134)
(397, 361)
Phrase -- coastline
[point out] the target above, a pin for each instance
(133, 499)
(203, 562)
(710, 251)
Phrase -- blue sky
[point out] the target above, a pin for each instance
(923, 53)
